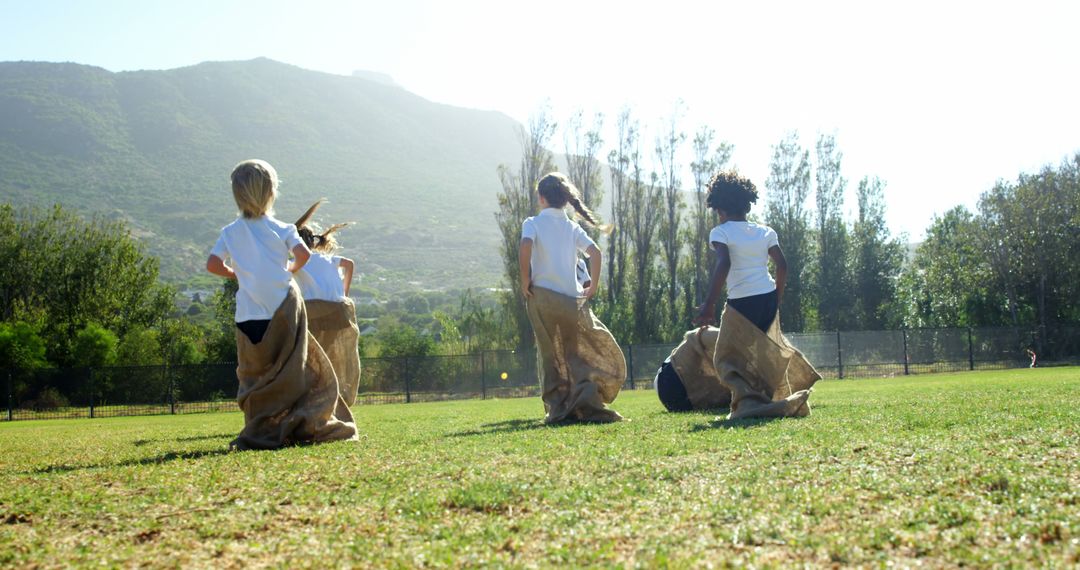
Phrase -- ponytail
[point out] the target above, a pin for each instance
(558, 191)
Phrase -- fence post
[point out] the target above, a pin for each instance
(906, 357)
(971, 351)
(408, 392)
(630, 367)
(483, 377)
(839, 356)
(91, 392)
(10, 396)
(169, 379)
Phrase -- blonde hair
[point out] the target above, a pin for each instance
(557, 191)
(254, 187)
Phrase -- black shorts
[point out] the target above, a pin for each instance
(758, 309)
(254, 330)
(670, 389)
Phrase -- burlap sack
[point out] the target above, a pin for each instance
(288, 390)
(333, 324)
(767, 376)
(693, 362)
(581, 367)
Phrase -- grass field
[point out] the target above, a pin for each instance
(977, 468)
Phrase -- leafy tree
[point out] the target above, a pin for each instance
(708, 160)
(878, 259)
(72, 272)
(668, 145)
(788, 188)
(396, 340)
(833, 288)
(94, 345)
(20, 346)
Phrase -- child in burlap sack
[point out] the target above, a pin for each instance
(288, 390)
(764, 374)
(324, 283)
(580, 365)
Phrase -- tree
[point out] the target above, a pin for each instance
(948, 283)
(878, 259)
(626, 129)
(518, 201)
(707, 162)
(94, 345)
(21, 347)
(788, 188)
(833, 280)
(582, 165)
(668, 144)
(73, 272)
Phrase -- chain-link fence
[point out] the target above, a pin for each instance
(144, 390)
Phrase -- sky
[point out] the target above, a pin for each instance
(939, 99)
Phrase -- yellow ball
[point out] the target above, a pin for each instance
(504, 376)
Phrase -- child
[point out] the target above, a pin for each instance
(288, 391)
(581, 366)
(331, 313)
(765, 374)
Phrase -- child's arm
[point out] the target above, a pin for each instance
(594, 271)
(525, 266)
(216, 265)
(301, 255)
(347, 266)
(780, 262)
(707, 311)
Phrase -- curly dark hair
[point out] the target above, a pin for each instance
(731, 193)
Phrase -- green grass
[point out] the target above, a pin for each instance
(977, 469)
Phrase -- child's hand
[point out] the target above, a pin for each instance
(526, 289)
(590, 291)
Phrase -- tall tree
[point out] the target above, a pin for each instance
(619, 159)
(582, 165)
(707, 161)
(518, 201)
(832, 278)
(668, 145)
(878, 259)
(788, 188)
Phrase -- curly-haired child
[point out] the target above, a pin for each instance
(751, 360)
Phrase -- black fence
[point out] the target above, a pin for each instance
(146, 390)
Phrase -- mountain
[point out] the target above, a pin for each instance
(155, 148)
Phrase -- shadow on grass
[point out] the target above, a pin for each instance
(141, 442)
(155, 460)
(510, 426)
(721, 422)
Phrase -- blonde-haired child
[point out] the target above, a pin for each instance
(324, 283)
(288, 390)
(582, 367)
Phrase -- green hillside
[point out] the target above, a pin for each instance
(155, 148)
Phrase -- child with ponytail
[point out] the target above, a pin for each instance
(582, 367)
(324, 283)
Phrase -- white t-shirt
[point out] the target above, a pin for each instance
(319, 278)
(259, 249)
(748, 246)
(556, 242)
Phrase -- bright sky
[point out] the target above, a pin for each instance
(940, 99)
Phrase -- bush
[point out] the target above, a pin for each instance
(21, 347)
